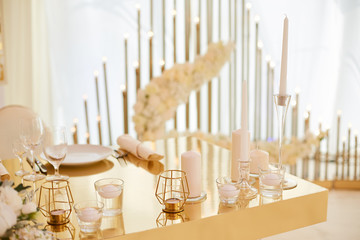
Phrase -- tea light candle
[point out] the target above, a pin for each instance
(89, 215)
(109, 191)
(228, 191)
(271, 179)
(259, 159)
(191, 164)
(172, 205)
(58, 216)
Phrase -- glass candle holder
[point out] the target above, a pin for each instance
(172, 190)
(271, 181)
(228, 191)
(89, 215)
(55, 201)
(110, 192)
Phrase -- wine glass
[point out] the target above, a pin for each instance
(31, 135)
(55, 149)
(19, 151)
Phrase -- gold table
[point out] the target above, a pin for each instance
(142, 216)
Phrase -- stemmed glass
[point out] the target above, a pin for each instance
(19, 151)
(31, 135)
(55, 149)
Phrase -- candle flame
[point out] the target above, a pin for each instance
(257, 18)
(138, 6)
(268, 58)
(174, 12)
(126, 36)
(344, 139)
(293, 103)
(87, 135)
(339, 112)
(356, 132)
(306, 115)
(96, 73)
(73, 129)
(272, 64)
(104, 59)
(260, 44)
(122, 87)
(197, 20)
(136, 64)
(76, 120)
(98, 118)
(308, 108)
(297, 90)
(150, 34)
(350, 125)
(248, 6)
(317, 132)
(162, 62)
(85, 97)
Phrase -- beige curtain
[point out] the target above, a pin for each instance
(26, 55)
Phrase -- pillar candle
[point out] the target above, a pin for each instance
(259, 159)
(86, 114)
(236, 153)
(98, 119)
(150, 34)
(191, 164)
(283, 72)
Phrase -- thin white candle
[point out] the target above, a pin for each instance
(283, 73)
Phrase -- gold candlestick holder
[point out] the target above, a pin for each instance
(55, 201)
(172, 190)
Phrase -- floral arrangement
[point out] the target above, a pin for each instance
(293, 148)
(157, 103)
(17, 214)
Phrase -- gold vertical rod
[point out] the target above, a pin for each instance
(125, 106)
(327, 154)
(187, 46)
(209, 39)
(356, 157)
(87, 117)
(99, 129)
(343, 162)
(150, 56)
(230, 79)
(348, 152)
(337, 145)
(219, 78)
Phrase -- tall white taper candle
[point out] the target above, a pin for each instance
(283, 73)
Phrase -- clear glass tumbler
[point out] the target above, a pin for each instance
(271, 181)
(110, 192)
(228, 191)
(89, 215)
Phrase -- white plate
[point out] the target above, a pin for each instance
(80, 154)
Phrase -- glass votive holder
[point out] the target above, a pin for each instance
(271, 181)
(110, 192)
(89, 215)
(228, 190)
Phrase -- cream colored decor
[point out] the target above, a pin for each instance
(157, 103)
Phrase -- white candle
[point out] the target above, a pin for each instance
(259, 159)
(271, 179)
(283, 74)
(228, 191)
(236, 153)
(89, 214)
(109, 191)
(172, 200)
(244, 155)
(191, 164)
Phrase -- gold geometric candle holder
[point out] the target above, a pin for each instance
(55, 201)
(166, 219)
(172, 190)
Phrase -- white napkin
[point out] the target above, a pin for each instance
(129, 144)
(4, 174)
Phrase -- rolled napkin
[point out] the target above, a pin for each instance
(259, 159)
(4, 175)
(137, 149)
(154, 167)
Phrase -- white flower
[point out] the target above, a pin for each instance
(7, 218)
(11, 197)
(28, 208)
